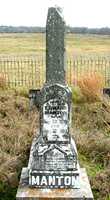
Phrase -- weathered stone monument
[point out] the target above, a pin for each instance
(53, 170)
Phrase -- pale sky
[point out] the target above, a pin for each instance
(77, 13)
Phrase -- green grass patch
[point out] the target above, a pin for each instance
(91, 167)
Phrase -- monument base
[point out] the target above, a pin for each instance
(84, 193)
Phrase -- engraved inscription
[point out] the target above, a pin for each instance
(55, 120)
(53, 180)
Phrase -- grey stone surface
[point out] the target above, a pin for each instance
(84, 193)
(56, 166)
(53, 150)
(35, 98)
(55, 48)
(53, 170)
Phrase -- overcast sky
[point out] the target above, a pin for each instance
(88, 13)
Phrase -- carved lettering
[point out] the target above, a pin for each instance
(42, 180)
(59, 180)
(35, 180)
(67, 180)
(52, 180)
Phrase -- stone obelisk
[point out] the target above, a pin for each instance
(53, 170)
(55, 47)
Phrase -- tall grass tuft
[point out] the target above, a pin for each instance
(91, 86)
(3, 83)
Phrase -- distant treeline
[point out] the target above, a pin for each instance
(21, 29)
(80, 30)
(85, 30)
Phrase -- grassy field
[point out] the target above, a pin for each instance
(34, 44)
(90, 122)
(88, 45)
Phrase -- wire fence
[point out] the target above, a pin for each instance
(29, 72)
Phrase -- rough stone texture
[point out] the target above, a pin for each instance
(84, 193)
(54, 150)
(53, 169)
(35, 98)
(53, 164)
(55, 48)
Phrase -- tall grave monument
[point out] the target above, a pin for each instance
(53, 170)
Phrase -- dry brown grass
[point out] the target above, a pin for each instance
(101, 184)
(96, 149)
(16, 132)
(95, 146)
(18, 124)
(3, 82)
(91, 123)
(91, 86)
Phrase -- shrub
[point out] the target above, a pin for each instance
(91, 86)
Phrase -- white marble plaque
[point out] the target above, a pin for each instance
(55, 120)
